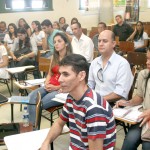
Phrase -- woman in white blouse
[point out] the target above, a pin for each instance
(3, 62)
(139, 37)
(39, 35)
(11, 36)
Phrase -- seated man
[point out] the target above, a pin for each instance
(101, 27)
(110, 74)
(90, 118)
(3, 62)
(81, 43)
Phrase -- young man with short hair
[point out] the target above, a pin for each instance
(91, 122)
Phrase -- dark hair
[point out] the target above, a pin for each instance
(38, 24)
(118, 16)
(139, 35)
(65, 27)
(15, 30)
(47, 23)
(62, 18)
(3, 22)
(78, 24)
(26, 26)
(104, 24)
(78, 63)
(68, 48)
(147, 78)
(73, 20)
(57, 24)
(27, 39)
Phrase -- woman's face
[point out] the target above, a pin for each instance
(62, 20)
(148, 60)
(21, 36)
(59, 44)
(139, 26)
(21, 23)
(34, 26)
(55, 26)
(11, 29)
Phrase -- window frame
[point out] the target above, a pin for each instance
(3, 10)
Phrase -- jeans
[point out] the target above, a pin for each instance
(133, 139)
(46, 100)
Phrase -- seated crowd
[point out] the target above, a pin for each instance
(94, 85)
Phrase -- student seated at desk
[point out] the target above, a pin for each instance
(133, 137)
(91, 122)
(23, 52)
(3, 62)
(62, 47)
(139, 37)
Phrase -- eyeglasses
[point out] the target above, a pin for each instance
(100, 75)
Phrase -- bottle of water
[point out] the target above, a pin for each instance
(25, 117)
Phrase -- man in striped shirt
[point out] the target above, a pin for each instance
(91, 122)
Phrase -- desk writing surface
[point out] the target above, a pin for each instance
(19, 69)
(26, 141)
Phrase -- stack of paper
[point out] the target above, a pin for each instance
(128, 113)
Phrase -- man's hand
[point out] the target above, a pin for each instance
(145, 116)
(122, 103)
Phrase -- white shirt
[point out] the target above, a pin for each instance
(140, 42)
(38, 37)
(3, 72)
(8, 40)
(117, 76)
(84, 46)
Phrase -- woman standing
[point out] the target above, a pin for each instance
(139, 37)
(62, 47)
(39, 35)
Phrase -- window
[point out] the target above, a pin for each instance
(88, 5)
(9, 6)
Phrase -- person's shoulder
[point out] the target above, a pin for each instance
(119, 58)
(144, 73)
(95, 60)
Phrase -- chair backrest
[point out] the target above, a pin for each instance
(137, 58)
(38, 111)
(126, 46)
(44, 64)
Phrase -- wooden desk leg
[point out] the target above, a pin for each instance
(12, 112)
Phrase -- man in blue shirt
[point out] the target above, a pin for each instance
(48, 29)
(110, 74)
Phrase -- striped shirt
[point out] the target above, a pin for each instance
(89, 118)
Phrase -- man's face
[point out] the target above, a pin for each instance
(69, 80)
(101, 28)
(105, 42)
(2, 27)
(47, 29)
(119, 20)
(76, 30)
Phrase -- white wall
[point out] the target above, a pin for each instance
(66, 8)
(69, 9)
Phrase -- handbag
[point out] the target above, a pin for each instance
(23, 51)
(145, 135)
